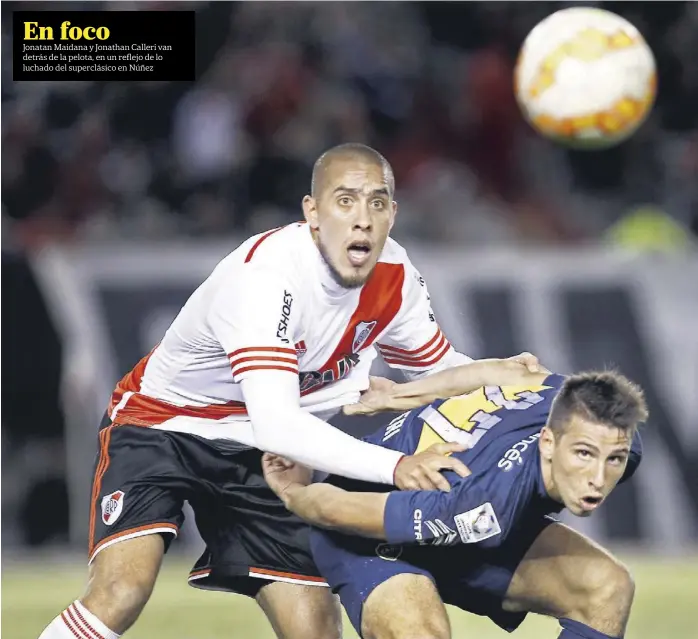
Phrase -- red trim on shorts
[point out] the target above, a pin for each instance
(200, 573)
(287, 575)
(102, 465)
(131, 531)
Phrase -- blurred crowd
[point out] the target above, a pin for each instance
(429, 84)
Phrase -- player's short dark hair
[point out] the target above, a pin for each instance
(605, 397)
(345, 151)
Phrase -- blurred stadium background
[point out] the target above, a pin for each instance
(117, 200)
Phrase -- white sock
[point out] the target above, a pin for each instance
(76, 621)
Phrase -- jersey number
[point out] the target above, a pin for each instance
(467, 418)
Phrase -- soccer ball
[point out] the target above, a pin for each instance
(586, 78)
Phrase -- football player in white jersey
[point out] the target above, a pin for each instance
(278, 338)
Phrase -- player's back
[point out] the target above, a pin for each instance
(498, 424)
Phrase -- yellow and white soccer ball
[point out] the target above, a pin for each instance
(585, 77)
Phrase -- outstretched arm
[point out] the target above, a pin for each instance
(384, 395)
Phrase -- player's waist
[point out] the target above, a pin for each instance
(139, 409)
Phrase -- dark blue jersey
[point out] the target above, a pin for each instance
(501, 426)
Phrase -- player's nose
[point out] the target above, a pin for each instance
(598, 477)
(362, 218)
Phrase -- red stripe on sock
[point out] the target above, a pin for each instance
(84, 622)
(69, 627)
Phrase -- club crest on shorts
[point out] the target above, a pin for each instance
(389, 552)
(361, 334)
(112, 505)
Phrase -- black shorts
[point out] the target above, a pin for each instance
(142, 478)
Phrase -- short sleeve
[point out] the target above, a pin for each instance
(470, 513)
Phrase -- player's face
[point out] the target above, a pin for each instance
(351, 218)
(586, 461)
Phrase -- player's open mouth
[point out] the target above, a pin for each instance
(359, 252)
(589, 503)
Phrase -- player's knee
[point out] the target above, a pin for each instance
(301, 612)
(122, 578)
(435, 627)
(423, 615)
(320, 619)
(609, 590)
(118, 600)
(426, 627)
(325, 626)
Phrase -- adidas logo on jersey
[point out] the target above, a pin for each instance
(443, 535)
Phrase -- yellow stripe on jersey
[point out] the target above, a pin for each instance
(467, 418)
(428, 438)
(462, 411)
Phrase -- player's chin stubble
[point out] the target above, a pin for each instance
(355, 281)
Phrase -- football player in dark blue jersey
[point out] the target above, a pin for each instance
(489, 545)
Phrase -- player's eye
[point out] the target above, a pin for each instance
(378, 204)
(583, 453)
(616, 460)
(344, 201)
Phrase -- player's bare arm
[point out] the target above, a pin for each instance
(329, 506)
(385, 395)
(325, 505)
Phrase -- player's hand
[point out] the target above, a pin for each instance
(282, 474)
(423, 470)
(374, 400)
(530, 361)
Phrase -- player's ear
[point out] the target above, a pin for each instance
(546, 443)
(310, 212)
(393, 205)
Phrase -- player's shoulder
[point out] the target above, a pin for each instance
(279, 251)
(276, 248)
(273, 257)
(394, 253)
